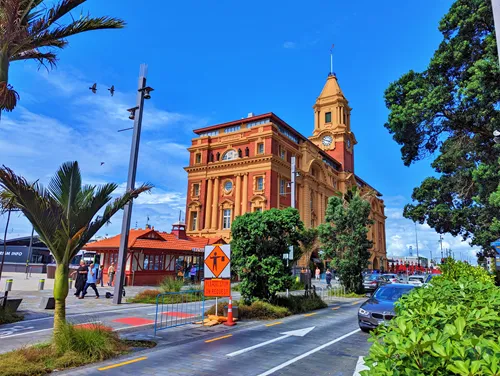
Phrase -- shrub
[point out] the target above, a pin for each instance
(297, 285)
(454, 270)
(146, 296)
(300, 304)
(170, 284)
(449, 328)
(94, 342)
(257, 310)
(7, 316)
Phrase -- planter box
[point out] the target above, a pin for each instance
(13, 304)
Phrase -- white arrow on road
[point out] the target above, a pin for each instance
(296, 333)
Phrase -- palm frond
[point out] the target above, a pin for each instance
(66, 185)
(43, 58)
(110, 210)
(55, 13)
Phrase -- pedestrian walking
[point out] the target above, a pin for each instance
(328, 278)
(180, 275)
(111, 274)
(91, 281)
(81, 278)
(100, 276)
(317, 273)
(192, 273)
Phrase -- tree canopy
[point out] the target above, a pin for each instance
(449, 112)
(258, 243)
(344, 237)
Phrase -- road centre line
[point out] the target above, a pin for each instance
(218, 338)
(291, 361)
(310, 314)
(274, 323)
(122, 363)
(355, 303)
(335, 308)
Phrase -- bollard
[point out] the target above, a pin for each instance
(70, 283)
(8, 285)
(41, 284)
(230, 321)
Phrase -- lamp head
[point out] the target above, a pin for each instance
(147, 92)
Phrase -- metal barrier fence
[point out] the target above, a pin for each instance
(335, 292)
(179, 308)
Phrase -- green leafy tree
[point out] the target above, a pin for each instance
(65, 216)
(309, 242)
(344, 238)
(258, 243)
(33, 30)
(449, 111)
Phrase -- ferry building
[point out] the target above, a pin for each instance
(245, 166)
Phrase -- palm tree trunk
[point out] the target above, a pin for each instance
(4, 67)
(61, 288)
(5, 243)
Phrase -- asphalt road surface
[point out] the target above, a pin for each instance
(325, 342)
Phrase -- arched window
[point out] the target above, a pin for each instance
(230, 155)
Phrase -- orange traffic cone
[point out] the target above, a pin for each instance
(230, 321)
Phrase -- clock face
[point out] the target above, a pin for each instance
(327, 140)
(348, 143)
(229, 155)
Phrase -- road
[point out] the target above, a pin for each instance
(325, 342)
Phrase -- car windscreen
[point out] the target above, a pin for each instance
(372, 277)
(392, 293)
(419, 279)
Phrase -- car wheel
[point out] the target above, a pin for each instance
(364, 329)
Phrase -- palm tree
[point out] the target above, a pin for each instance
(31, 30)
(6, 206)
(65, 216)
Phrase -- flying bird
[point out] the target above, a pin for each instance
(112, 90)
(93, 88)
(102, 163)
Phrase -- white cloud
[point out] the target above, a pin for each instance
(289, 45)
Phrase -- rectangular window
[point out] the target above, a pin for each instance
(260, 148)
(226, 219)
(260, 183)
(328, 117)
(282, 187)
(194, 221)
(198, 158)
(196, 190)
(282, 152)
(258, 209)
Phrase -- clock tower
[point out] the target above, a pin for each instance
(332, 124)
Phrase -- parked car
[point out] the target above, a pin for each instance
(372, 282)
(393, 278)
(429, 277)
(379, 309)
(416, 280)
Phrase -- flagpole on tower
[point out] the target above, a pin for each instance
(331, 60)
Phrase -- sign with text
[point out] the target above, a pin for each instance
(217, 261)
(217, 287)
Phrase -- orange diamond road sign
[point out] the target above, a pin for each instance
(217, 287)
(217, 259)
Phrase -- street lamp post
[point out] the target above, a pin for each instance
(143, 92)
(293, 182)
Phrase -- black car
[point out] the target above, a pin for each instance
(379, 309)
(373, 281)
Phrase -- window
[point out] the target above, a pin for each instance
(229, 155)
(282, 152)
(196, 190)
(282, 187)
(260, 148)
(194, 221)
(258, 209)
(232, 129)
(198, 158)
(260, 183)
(228, 185)
(212, 133)
(328, 117)
(256, 123)
(226, 219)
(289, 134)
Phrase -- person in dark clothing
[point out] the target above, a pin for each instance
(328, 279)
(81, 278)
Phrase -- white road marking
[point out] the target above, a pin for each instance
(360, 366)
(297, 333)
(291, 361)
(130, 327)
(44, 330)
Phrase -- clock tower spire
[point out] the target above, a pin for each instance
(332, 124)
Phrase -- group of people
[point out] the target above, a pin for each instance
(188, 272)
(90, 276)
(317, 274)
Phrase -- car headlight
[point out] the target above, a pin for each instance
(363, 312)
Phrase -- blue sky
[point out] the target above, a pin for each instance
(212, 62)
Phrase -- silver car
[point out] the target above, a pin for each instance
(379, 309)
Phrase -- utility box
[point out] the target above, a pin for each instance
(235, 312)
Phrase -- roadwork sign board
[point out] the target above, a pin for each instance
(218, 287)
(217, 261)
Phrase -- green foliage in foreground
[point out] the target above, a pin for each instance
(449, 328)
(8, 317)
(170, 284)
(454, 270)
(150, 296)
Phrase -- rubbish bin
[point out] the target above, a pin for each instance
(51, 271)
(235, 312)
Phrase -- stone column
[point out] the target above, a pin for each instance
(237, 199)
(208, 208)
(215, 205)
(244, 200)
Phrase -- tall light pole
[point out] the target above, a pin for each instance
(441, 241)
(136, 115)
(294, 174)
(416, 241)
